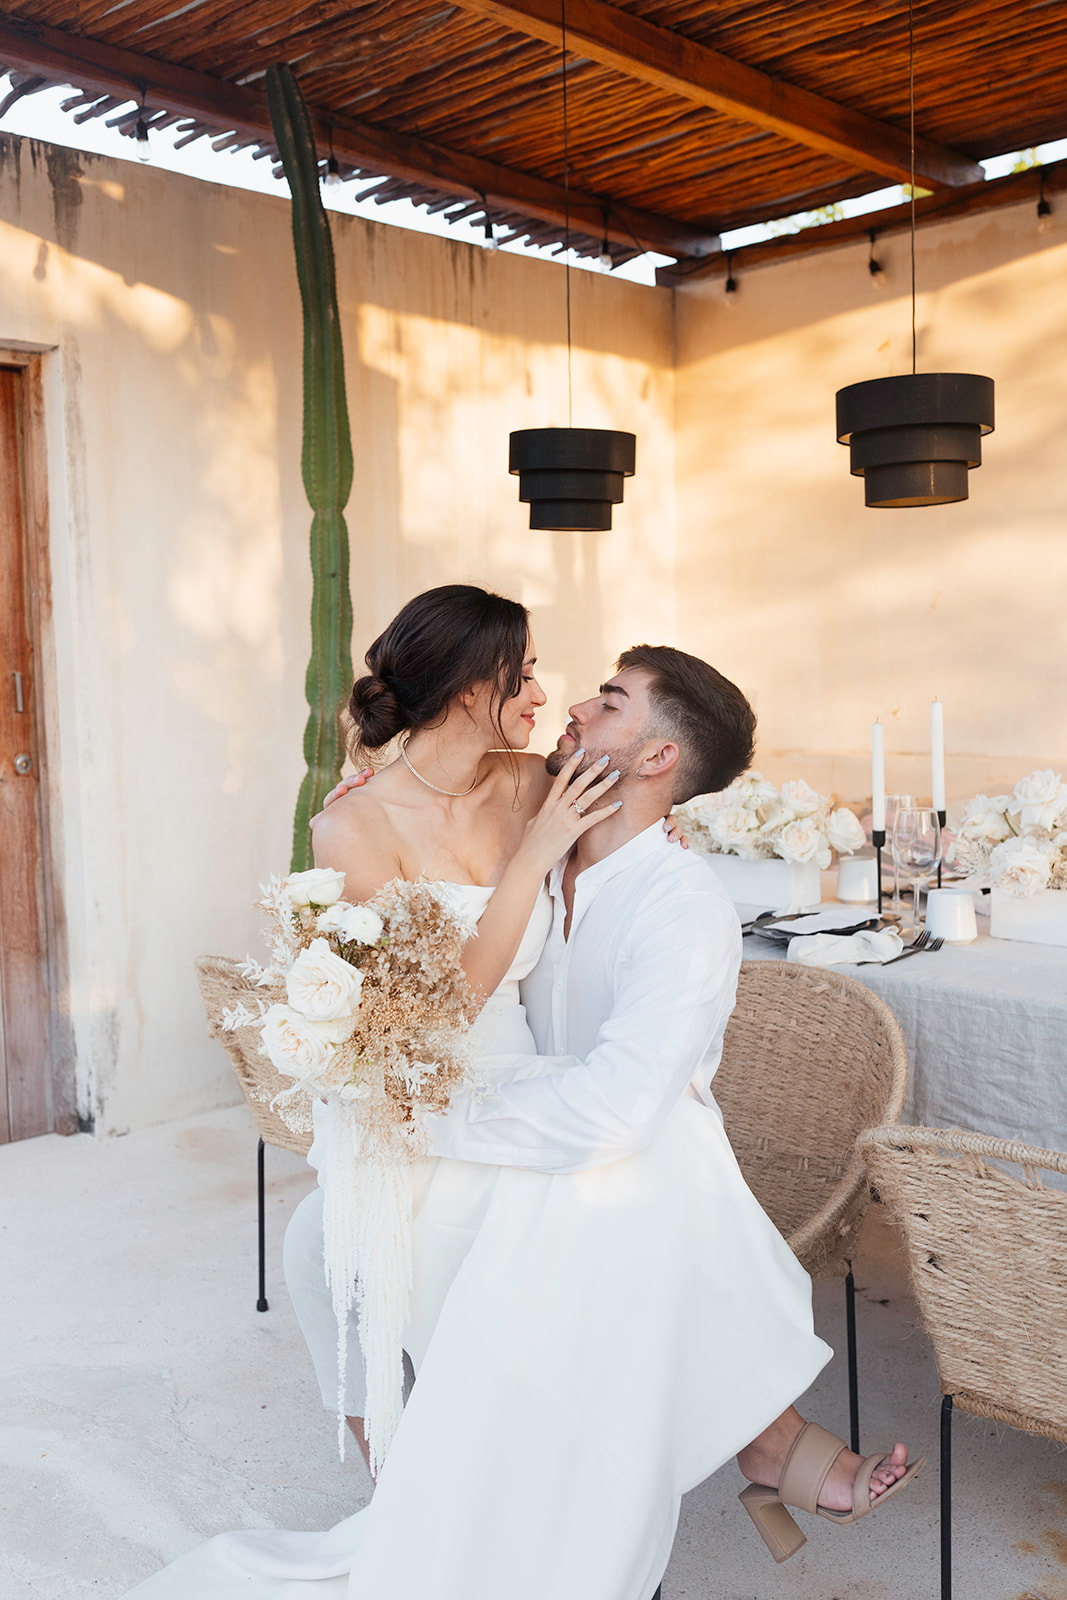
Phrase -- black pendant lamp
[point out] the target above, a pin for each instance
(571, 477)
(914, 438)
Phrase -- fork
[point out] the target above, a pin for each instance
(923, 945)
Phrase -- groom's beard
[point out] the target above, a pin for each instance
(627, 760)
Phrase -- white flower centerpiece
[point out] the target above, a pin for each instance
(769, 845)
(1019, 842)
(366, 1007)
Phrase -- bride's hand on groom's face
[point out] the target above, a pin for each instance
(572, 806)
(355, 780)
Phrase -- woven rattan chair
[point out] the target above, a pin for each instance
(222, 987)
(987, 1250)
(810, 1059)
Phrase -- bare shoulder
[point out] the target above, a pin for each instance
(524, 772)
(356, 836)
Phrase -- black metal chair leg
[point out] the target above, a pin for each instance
(853, 1369)
(261, 1303)
(946, 1498)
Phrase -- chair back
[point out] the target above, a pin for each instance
(223, 987)
(810, 1059)
(987, 1246)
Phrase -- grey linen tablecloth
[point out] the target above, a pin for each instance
(985, 1028)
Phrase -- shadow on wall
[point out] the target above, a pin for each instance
(832, 613)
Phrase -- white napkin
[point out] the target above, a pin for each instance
(839, 949)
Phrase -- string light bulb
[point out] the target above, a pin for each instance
(140, 134)
(875, 267)
(730, 287)
(604, 260)
(488, 230)
(332, 180)
(1044, 210)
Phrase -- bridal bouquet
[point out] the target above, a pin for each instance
(365, 1006)
(755, 820)
(1018, 841)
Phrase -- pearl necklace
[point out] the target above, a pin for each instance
(453, 794)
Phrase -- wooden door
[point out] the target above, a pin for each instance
(25, 1045)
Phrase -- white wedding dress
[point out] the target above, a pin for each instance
(587, 1348)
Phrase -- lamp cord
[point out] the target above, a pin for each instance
(911, 110)
(566, 208)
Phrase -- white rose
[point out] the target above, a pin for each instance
(843, 831)
(1039, 799)
(985, 817)
(755, 792)
(1021, 867)
(321, 886)
(800, 798)
(802, 841)
(733, 829)
(322, 985)
(297, 1046)
(360, 925)
(329, 921)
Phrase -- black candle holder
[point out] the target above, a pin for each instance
(878, 840)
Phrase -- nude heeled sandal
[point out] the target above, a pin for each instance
(804, 1472)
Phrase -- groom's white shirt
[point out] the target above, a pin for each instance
(640, 993)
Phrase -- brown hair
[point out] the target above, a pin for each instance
(705, 714)
(442, 642)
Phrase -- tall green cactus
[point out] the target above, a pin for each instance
(326, 460)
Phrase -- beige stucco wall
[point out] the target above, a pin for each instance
(831, 614)
(179, 540)
(169, 312)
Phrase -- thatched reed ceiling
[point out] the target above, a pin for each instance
(686, 117)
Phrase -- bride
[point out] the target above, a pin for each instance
(572, 1336)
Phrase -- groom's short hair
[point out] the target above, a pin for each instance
(702, 712)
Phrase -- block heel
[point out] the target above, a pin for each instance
(773, 1523)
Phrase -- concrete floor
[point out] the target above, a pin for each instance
(145, 1404)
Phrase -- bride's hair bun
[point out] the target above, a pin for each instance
(377, 712)
(441, 643)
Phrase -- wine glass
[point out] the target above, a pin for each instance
(893, 804)
(916, 848)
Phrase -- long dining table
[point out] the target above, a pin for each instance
(985, 1029)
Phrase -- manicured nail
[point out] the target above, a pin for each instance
(580, 752)
(603, 761)
(614, 774)
(616, 806)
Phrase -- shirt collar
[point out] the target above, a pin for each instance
(650, 841)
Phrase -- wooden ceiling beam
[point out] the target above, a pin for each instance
(106, 69)
(659, 56)
(994, 193)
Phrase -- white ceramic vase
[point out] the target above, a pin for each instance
(1037, 918)
(776, 885)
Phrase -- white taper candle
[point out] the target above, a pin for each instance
(878, 778)
(937, 756)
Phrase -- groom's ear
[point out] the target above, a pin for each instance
(664, 758)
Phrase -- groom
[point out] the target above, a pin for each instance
(639, 973)
(638, 976)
